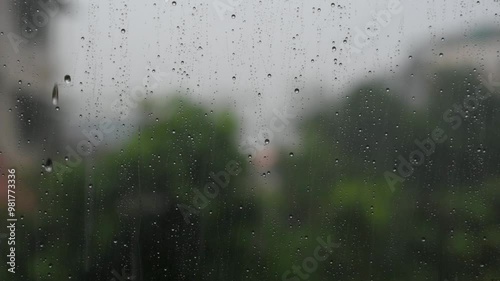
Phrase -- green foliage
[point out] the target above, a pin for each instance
(144, 212)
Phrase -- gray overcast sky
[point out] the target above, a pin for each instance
(286, 39)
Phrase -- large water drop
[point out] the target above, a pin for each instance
(48, 165)
(55, 95)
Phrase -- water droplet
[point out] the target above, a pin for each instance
(55, 95)
(48, 165)
(123, 30)
(67, 79)
(266, 141)
(291, 154)
(297, 91)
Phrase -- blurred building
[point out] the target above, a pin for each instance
(28, 119)
(479, 49)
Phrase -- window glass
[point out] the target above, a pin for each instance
(249, 140)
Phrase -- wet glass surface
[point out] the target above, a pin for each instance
(249, 140)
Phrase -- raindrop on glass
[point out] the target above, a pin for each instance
(48, 165)
(55, 95)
